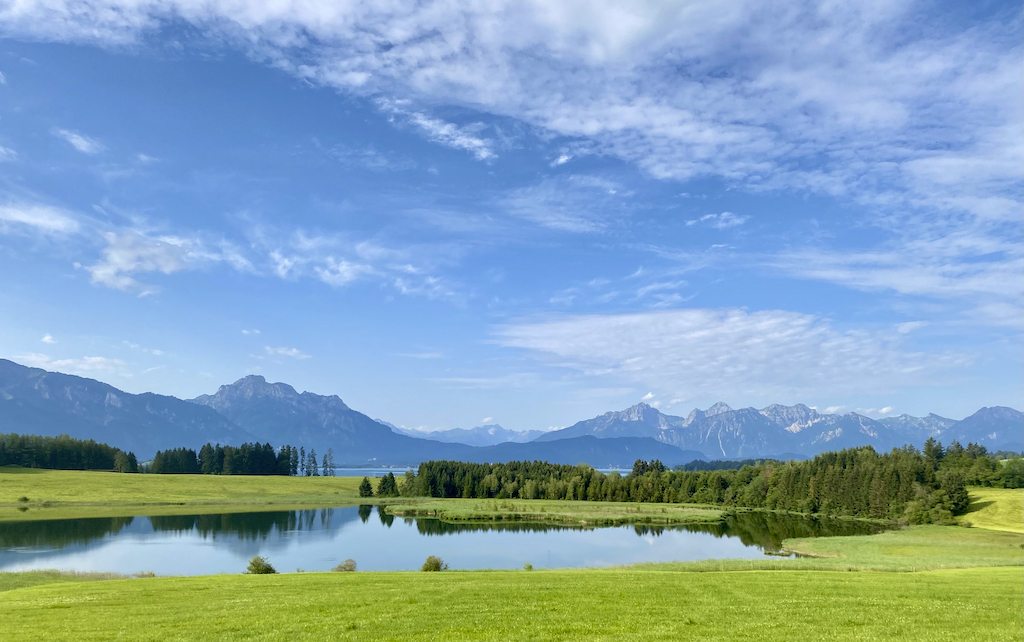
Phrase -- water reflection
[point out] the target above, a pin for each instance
(312, 539)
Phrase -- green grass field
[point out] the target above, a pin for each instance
(963, 605)
(64, 494)
(1000, 509)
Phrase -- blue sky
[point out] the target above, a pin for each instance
(528, 213)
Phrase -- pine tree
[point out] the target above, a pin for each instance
(311, 467)
(365, 488)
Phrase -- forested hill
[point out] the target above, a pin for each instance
(904, 484)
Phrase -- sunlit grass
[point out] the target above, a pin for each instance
(62, 494)
(1000, 509)
(963, 605)
(542, 510)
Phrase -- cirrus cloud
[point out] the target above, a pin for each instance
(727, 353)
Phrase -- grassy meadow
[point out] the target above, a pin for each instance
(556, 511)
(962, 605)
(999, 509)
(65, 494)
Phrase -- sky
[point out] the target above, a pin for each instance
(527, 213)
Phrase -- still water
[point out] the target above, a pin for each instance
(318, 540)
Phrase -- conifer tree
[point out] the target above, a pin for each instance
(365, 488)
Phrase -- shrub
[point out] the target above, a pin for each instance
(260, 566)
(434, 563)
(347, 566)
(527, 567)
(23, 499)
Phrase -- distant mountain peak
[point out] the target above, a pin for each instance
(717, 409)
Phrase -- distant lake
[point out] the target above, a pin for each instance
(317, 540)
(369, 472)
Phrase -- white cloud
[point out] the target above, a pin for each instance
(978, 272)
(487, 420)
(48, 338)
(129, 252)
(727, 353)
(338, 272)
(253, 331)
(579, 204)
(915, 118)
(3, 78)
(294, 353)
(445, 133)
(135, 346)
(370, 157)
(910, 326)
(7, 154)
(39, 218)
(80, 142)
(647, 397)
(89, 366)
(721, 221)
(422, 355)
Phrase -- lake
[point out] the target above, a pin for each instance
(318, 540)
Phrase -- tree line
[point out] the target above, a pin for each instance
(247, 459)
(63, 453)
(927, 486)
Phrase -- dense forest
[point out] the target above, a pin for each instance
(63, 453)
(247, 459)
(915, 486)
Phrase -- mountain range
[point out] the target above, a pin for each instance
(776, 430)
(35, 401)
(486, 435)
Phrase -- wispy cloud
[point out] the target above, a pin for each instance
(466, 138)
(339, 272)
(37, 218)
(7, 154)
(129, 252)
(48, 338)
(90, 366)
(370, 157)
(80, 142)
(721, 221)
(252, 331)
(581, 204)
(727, 352)
(294, 353)
(422, 355)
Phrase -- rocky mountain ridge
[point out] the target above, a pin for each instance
(725, 433)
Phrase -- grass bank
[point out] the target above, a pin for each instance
(918, 548)
(1000, 509)
(66, 494)
(962, 605)
(543, 510)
